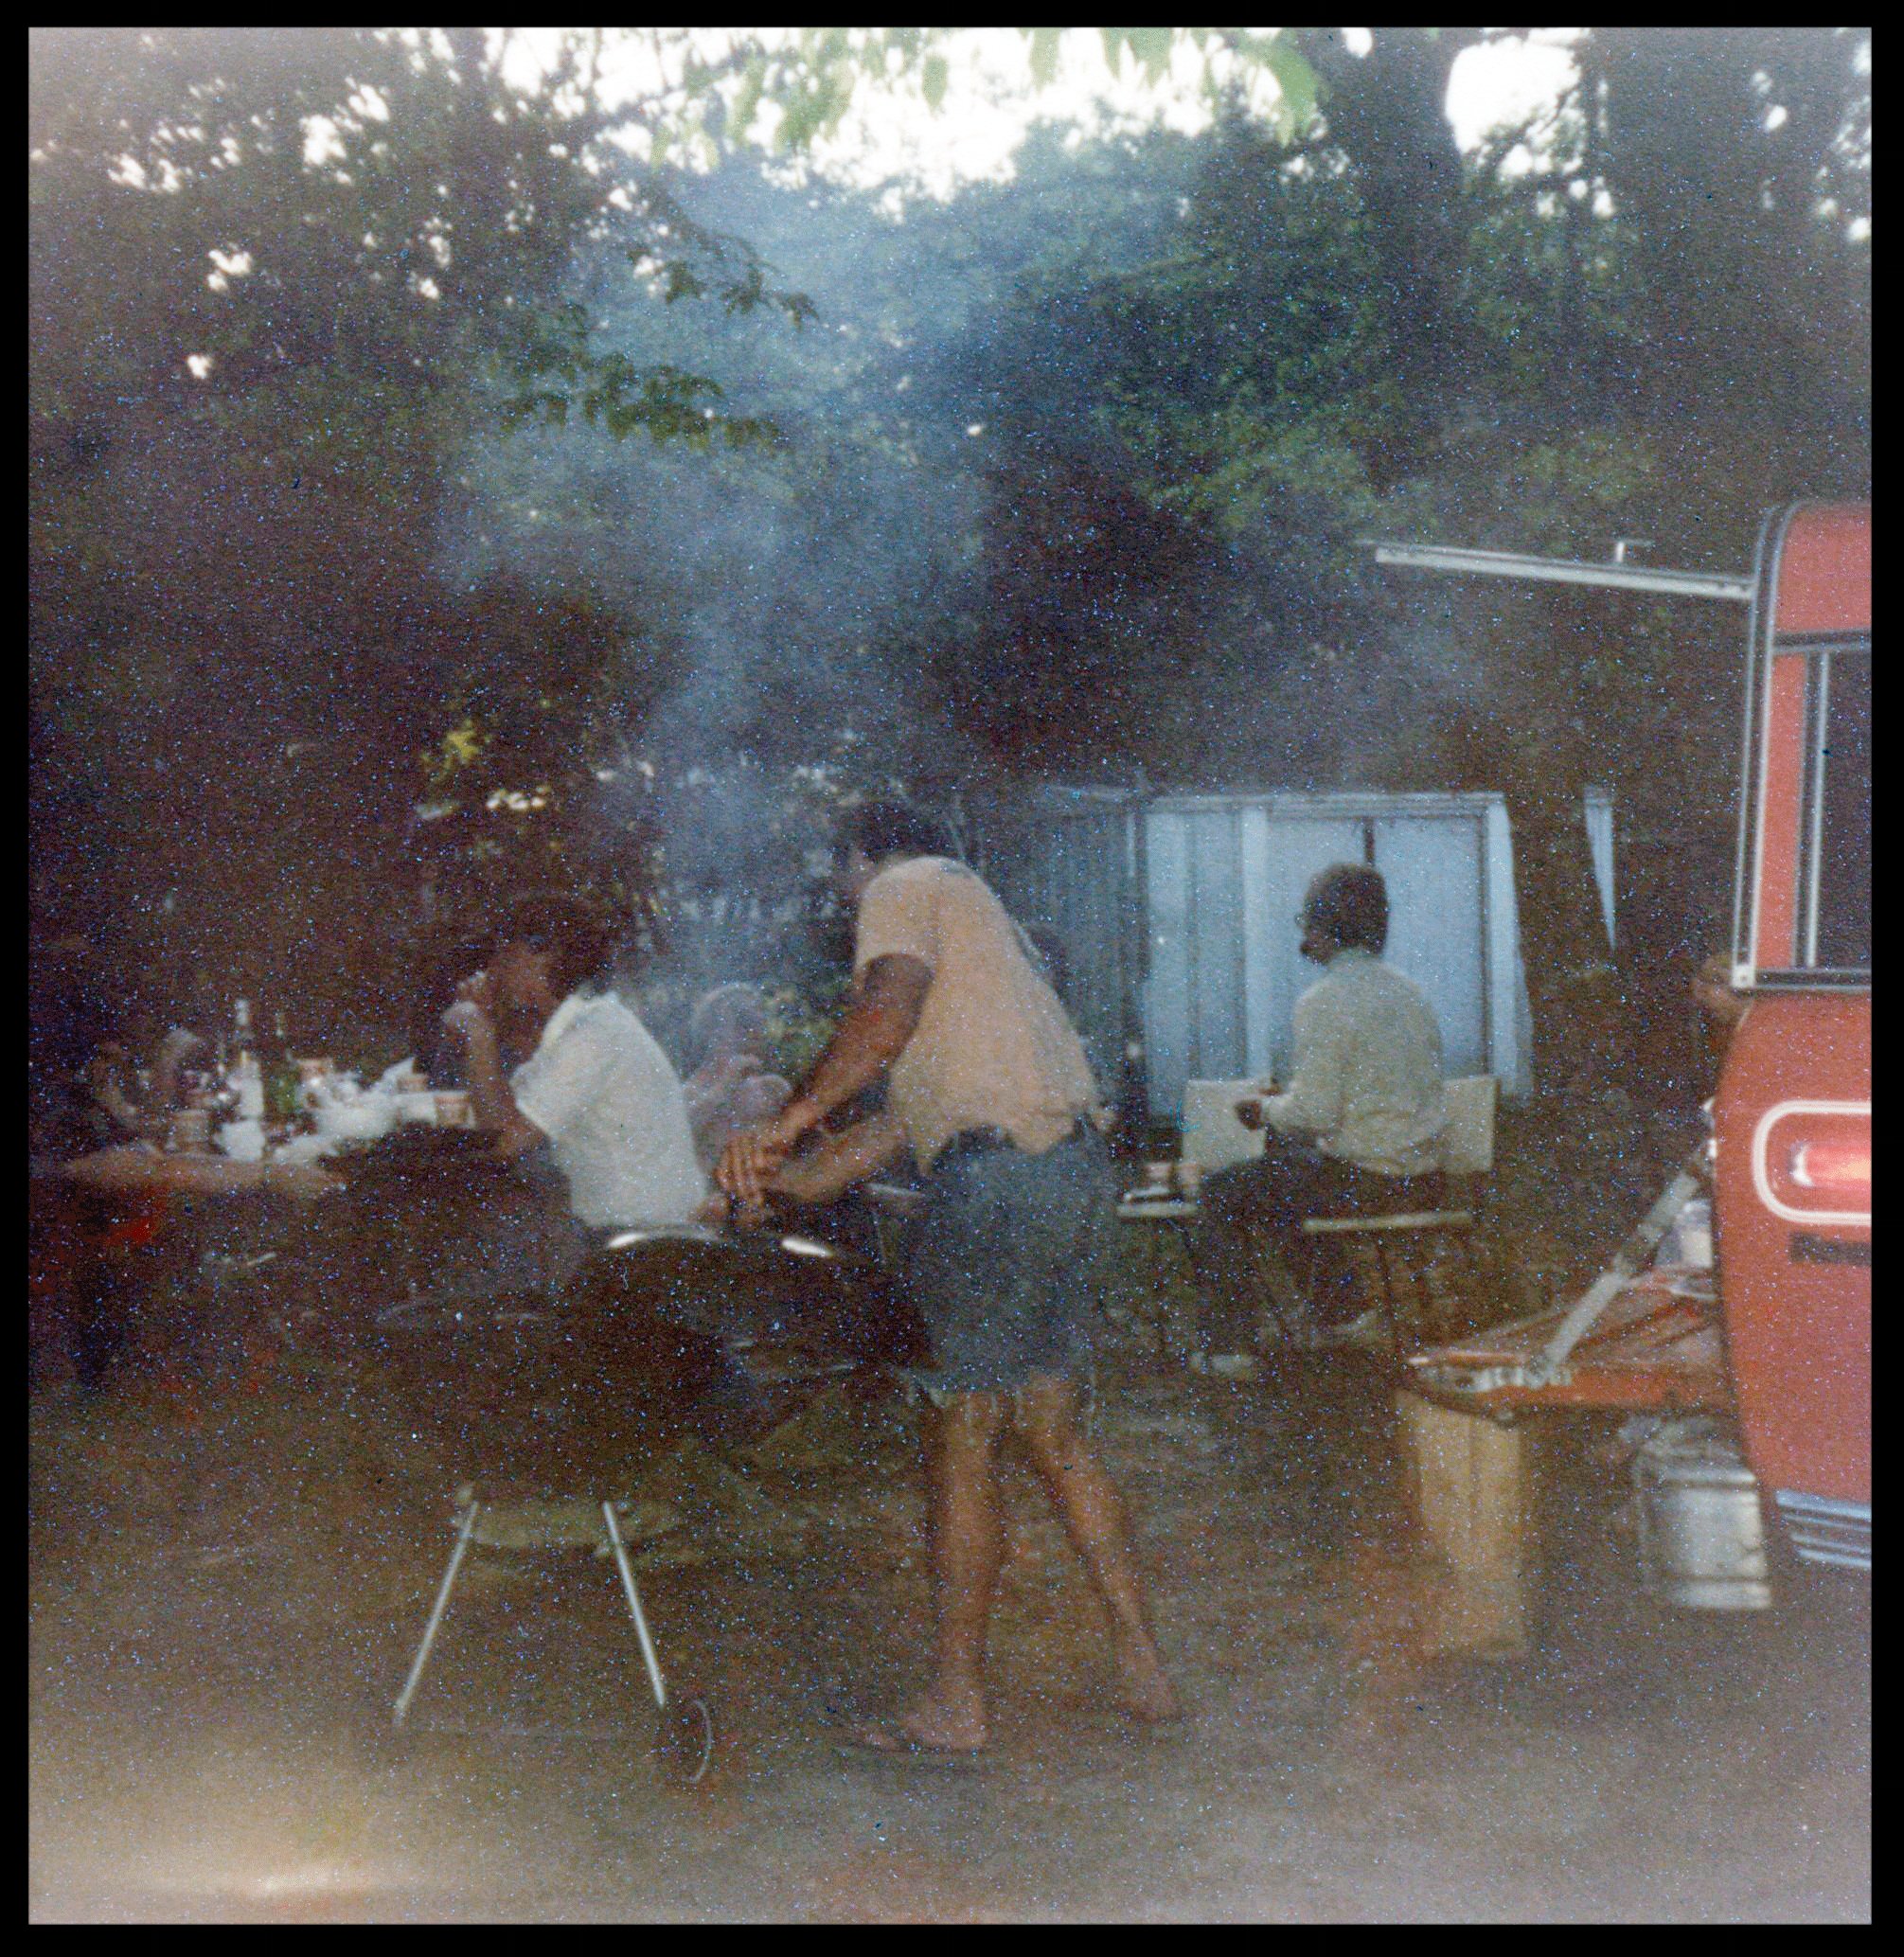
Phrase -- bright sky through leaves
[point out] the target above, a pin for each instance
(991, 99)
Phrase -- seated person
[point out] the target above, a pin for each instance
(91, 1126)
(555, 1061)
(145, 1108)
(1360, 1123)
(83, 1075)
(731, 1089)
(101, 1238)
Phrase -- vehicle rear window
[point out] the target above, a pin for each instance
(1841, 940)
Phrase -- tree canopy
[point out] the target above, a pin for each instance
(447, 469)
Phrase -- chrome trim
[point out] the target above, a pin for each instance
(1761, 640)
(1615, 577)
(1819, 708)
(1825, 1530)
(1761, 1168)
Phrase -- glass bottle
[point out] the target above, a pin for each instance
(283, 1095)
(246, 1078)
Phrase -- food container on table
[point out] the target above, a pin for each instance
(190, 1131)
(456, 1110)
(354, 1117)
(243, 1141)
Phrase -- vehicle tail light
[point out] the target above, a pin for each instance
(1842, 1170)
(1811, 1162)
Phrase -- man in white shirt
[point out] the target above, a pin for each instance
(591, 1083)
(1359, 1124)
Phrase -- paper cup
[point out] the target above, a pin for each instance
(456, 1111)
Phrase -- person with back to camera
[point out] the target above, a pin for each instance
(989, 1089)
(1359, 1124)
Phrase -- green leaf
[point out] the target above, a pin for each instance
(933, 80)
(1044, 54)
(1152, 45)
(1296, 81)
(748, 101)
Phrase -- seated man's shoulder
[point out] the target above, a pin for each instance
(1406, 987)
(930, 873)
(605, 1024)
(604, 1009)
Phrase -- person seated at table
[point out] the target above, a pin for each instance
(555, 1061)
(1358, 1125)
(732, 1087)
(142, 1107)
(82, 1075)
(102, 1233)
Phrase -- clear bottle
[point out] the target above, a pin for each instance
(246, 1078)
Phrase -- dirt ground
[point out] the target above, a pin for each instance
(227, 1583)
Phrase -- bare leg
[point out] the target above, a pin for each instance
(966, 1543)
(1092, 1510)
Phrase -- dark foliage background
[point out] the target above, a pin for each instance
(426, 500)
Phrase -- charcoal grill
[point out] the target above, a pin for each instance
(660, 1335)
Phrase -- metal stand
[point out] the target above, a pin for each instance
(1408, 1232)
(688, 1733)
(442, 1604)
(627, 1569)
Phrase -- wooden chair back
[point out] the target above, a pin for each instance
(1467, 1141)
(1213, 1137)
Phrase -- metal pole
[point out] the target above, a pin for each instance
(1734, 586)
(422, 1658)
(1627, 1264)
(621, 1563)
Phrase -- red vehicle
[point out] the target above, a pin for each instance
(1792, 1115)
(1768, 1358)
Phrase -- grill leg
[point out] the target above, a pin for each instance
(1309, 1323)
(1388, 1294)
(442, 1604)
(627, 1569)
